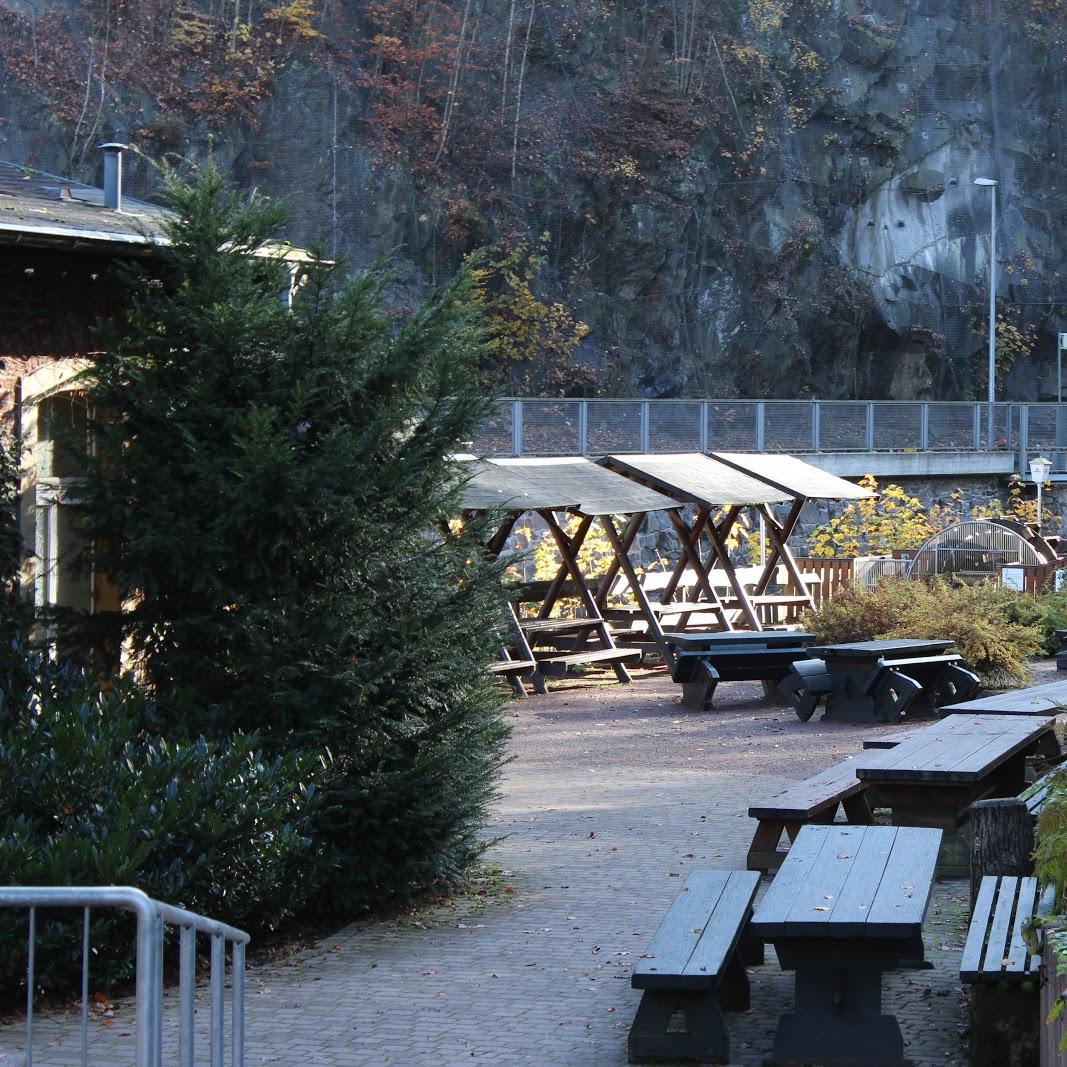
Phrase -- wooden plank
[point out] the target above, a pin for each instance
(680, 931)
(1032, 700)
(814, 905)
(1017, 950)
(723, 930)
(852, 908)
(771, 918)
(1000, 927)
(904, 892)
(971, 963)
(596, 655)
(806, 798)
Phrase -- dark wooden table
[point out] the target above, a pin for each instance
(1035, 700)
(756, 655)
(847, 904)
(934, 774)
(701, 642)
(850, 666)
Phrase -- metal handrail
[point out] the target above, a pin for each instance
(152, 918)
(540, 426)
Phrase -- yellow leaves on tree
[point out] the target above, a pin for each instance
(532, 342)
(294, 18)
(874, 525)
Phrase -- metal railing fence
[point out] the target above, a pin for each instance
(597, 427)
(152, 917)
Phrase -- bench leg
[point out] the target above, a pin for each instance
(656, 1034)
(698, 693)
(763, 853)
(838, 1020)
(733, 992)
(858, 810)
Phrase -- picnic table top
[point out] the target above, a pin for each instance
(959, 749)
(850, 882)
(768, 638)
(874, 649)
(1034, 700)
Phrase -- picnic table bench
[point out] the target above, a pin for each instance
(815, 800)
(694, 966)
(847, 904)
(704, 660)
(868, 681)
(1002, 972)
(934, 774)
(1033, 700)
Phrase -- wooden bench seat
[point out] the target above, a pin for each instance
(923, 683)
(538, 627)
(1035, 795)
(693, 970)
(807, 684)
(513, 666)
(815, 800)
(995, 950)
(1002, 973)
(554, 664)
(699, 672)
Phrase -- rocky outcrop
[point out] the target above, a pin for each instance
(762, 197)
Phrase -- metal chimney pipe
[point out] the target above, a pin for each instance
(113, 174)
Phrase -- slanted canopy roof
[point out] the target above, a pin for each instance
(565, 484)
(794, 476)
(693, 478)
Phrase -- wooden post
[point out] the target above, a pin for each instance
(623, 558)
(1002, 840)
(629, 534)
(786, 531)
(556, 587)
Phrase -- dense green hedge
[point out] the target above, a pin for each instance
(93, 795)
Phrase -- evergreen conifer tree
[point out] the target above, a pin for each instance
(268, 488)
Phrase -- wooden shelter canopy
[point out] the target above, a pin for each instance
(793, 476)
(558, 484)
(693, 478)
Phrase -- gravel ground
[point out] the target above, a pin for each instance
(614, 793)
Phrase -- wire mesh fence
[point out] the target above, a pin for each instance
(600, 427)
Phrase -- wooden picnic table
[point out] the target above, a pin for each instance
(860, 685)
(1034, 700)
(725, 639)
(934, 774)
(703, 660)
(846, 905)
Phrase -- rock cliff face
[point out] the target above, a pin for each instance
(740, 197)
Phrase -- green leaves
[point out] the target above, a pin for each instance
(93, 797)
(266, 492)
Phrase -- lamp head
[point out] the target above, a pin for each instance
(1039, 468)
(985, 181)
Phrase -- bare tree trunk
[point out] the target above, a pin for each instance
(507, 62)
(1002, 840)
(726, 80)
(518, 94)
(453, 85)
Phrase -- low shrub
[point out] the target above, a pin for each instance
(990, 625)
(93, 796)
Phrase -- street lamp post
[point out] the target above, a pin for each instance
(1039, 468)
(991, 185)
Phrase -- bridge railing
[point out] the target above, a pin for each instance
(596, 427)
(152, 918)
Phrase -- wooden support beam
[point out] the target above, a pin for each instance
(786, 529)
(619, 546)
(775, 533)
(556, 587)
(633, 525)
(718, 547)
(690, 553)
(568, 549)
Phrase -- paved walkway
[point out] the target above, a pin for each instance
(614, 794)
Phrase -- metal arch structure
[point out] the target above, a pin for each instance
(977, 549)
